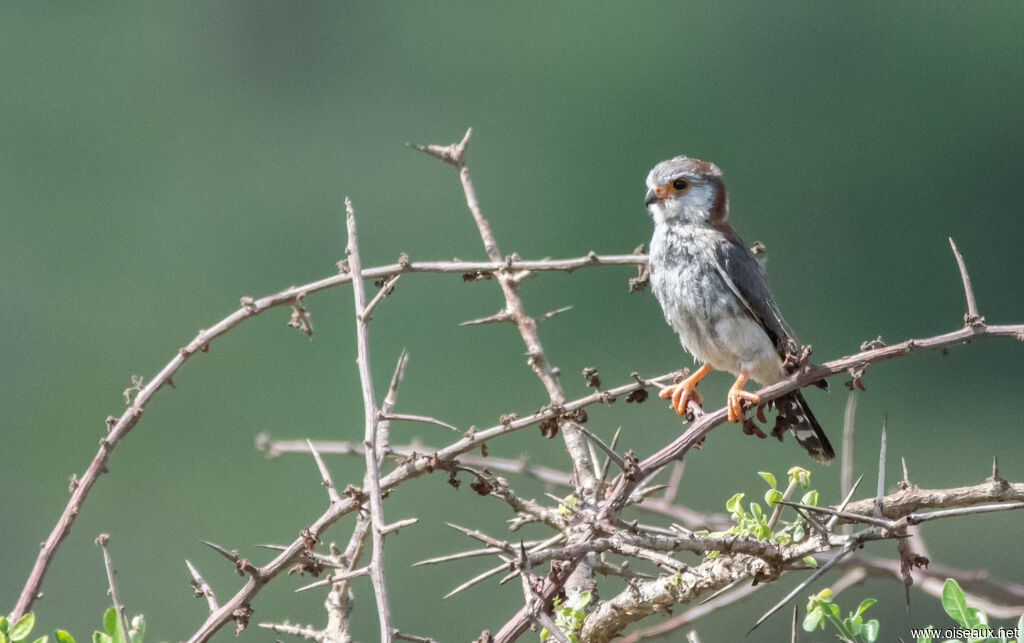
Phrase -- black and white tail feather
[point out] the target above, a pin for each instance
(796, 416)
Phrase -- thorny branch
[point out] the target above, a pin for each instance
(588, 531)
(372, 435)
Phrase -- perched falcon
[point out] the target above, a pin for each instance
(715, 295)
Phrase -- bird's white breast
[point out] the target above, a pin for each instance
(713, 324)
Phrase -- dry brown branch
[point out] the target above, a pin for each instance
(118, 428)
(587, 529)
(372, 432)
(705, 423)
(509, 281)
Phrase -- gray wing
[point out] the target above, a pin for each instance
(746, 279)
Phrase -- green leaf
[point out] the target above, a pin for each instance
(732, 505)
(100, 637)
(978, 617)
(110, 622)
(764, 532)
(925, 639)
(772, 496)
(798, 533)
(813, 619)
(769, 478)
(4, 625)
(801, 475)
(853, 626)
(810, 498)
(864, 604)
(756, 510)
(954, 603)
(63, 637)
(3, 638)
(42, 639)
(871, 630)
(20, 630)
(811, 561)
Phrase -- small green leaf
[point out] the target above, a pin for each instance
(3, 638)
(925, 639)
(756, 510)
(100, 637)
(42, 639)
(20, 630)
(954, 603)
(810, 498)
(801, 475)
(813, 619)
(4, 625)
(764, 532)
(798, 533)
(732, 505)
(853, 626)
(769, 478)
(63, 637)
(110, 622)
(673, 580)
(871, 630)
(978, 617)
(772, 496)
(811, 561)
(864, 604)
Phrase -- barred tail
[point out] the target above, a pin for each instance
(805, 427)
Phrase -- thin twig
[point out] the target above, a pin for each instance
(972, 317)
(325, 474)
(102, 540)
(385, 290)
(849, 422)
(455, 154)
(846, 501)
(799, 588)
(416, 418)
(880, 496)
(202, 587)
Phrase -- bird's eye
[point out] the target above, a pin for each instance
(680, 184)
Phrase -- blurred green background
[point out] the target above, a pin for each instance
(160, 160)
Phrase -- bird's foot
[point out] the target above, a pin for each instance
(685, 391)
(736, 397)
(681, 395)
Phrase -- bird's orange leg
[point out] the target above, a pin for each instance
(686, 390)
(737, 395)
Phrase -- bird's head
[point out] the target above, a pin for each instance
(687, 190)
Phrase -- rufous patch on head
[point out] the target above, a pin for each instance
(718, 215)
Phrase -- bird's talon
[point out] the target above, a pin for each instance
(736, 397)
(682, 392)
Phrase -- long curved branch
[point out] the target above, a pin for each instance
(118, 428)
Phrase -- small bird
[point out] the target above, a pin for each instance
(715, 295)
